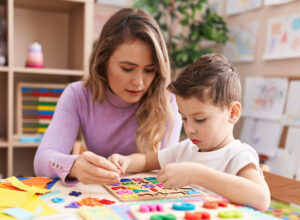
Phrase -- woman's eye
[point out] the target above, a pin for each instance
(126, 69)
(149, 70)
(200, 120)
(183, 119)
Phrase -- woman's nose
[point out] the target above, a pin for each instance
(138, 79)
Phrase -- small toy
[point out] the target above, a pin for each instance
(73, 205)
(74, 193)
(184, 206)
(196, 215)
(35, 56)
(58, 200)
(148, 188)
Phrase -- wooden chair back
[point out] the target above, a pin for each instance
(282, 188)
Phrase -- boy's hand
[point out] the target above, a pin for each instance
(176, 175)
(121, 162)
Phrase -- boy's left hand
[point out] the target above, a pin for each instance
(176, 175)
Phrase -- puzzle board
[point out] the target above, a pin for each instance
(180, 214)
(147, 188)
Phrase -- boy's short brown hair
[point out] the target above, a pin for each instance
(212, 77)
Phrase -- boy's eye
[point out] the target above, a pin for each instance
(200, 120)
(126, 69)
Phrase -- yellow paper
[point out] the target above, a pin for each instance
(17, 183)
(12, 198)
(33, 204)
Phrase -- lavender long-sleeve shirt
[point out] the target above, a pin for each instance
(108, 128)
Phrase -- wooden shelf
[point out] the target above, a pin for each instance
(64, 29)
(49, 71)
(18, 144)
(3, 144)
(3, 69)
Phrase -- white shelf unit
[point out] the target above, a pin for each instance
(64, 29)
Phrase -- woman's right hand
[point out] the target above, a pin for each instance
(90, 168)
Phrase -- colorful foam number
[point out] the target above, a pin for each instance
(163, 217)
(197, 216)
(183, 206)
(133, 187)
(58, 200)
(230, 214)
(124, 192)
(192, 191)
(151, 208)
(125, 180)
(130, 196)
(214, 204)
(128, 183)
(137, 179)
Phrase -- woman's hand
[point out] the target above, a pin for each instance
(176, 175)
(121, 162)
(90, 168)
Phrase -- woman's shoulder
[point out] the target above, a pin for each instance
(77, 88)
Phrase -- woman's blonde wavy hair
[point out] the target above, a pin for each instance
(154, 114)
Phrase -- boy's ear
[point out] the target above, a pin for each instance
(235, 109)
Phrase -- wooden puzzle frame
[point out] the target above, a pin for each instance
(158, 193)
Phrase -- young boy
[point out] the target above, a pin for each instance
(208, 95)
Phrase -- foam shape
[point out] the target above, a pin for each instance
(72, 205)
(196, 215)
(230, 214)
(184, 206)
(74, 193)
(58, 200)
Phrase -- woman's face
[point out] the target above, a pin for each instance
(131, 70)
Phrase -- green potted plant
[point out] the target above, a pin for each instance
(185, 24)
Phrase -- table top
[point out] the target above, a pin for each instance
(91, 190)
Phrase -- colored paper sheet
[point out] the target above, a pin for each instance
(37, 181)
(19, 213)
(11, 198)
(35, 202)
(32, 205)
(17, 183)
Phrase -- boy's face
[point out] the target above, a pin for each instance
(208, 126)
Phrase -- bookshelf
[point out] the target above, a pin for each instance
(64, 30)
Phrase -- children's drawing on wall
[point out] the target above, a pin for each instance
(263, 135)
(277, 2)
(240, 6)
(241, 44)
(292, 112)
(292, 146)
(99, 21)
(283, 38)
(265, 97)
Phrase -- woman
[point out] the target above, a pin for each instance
(123, 107)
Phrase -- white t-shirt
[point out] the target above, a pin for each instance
(229, 159)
